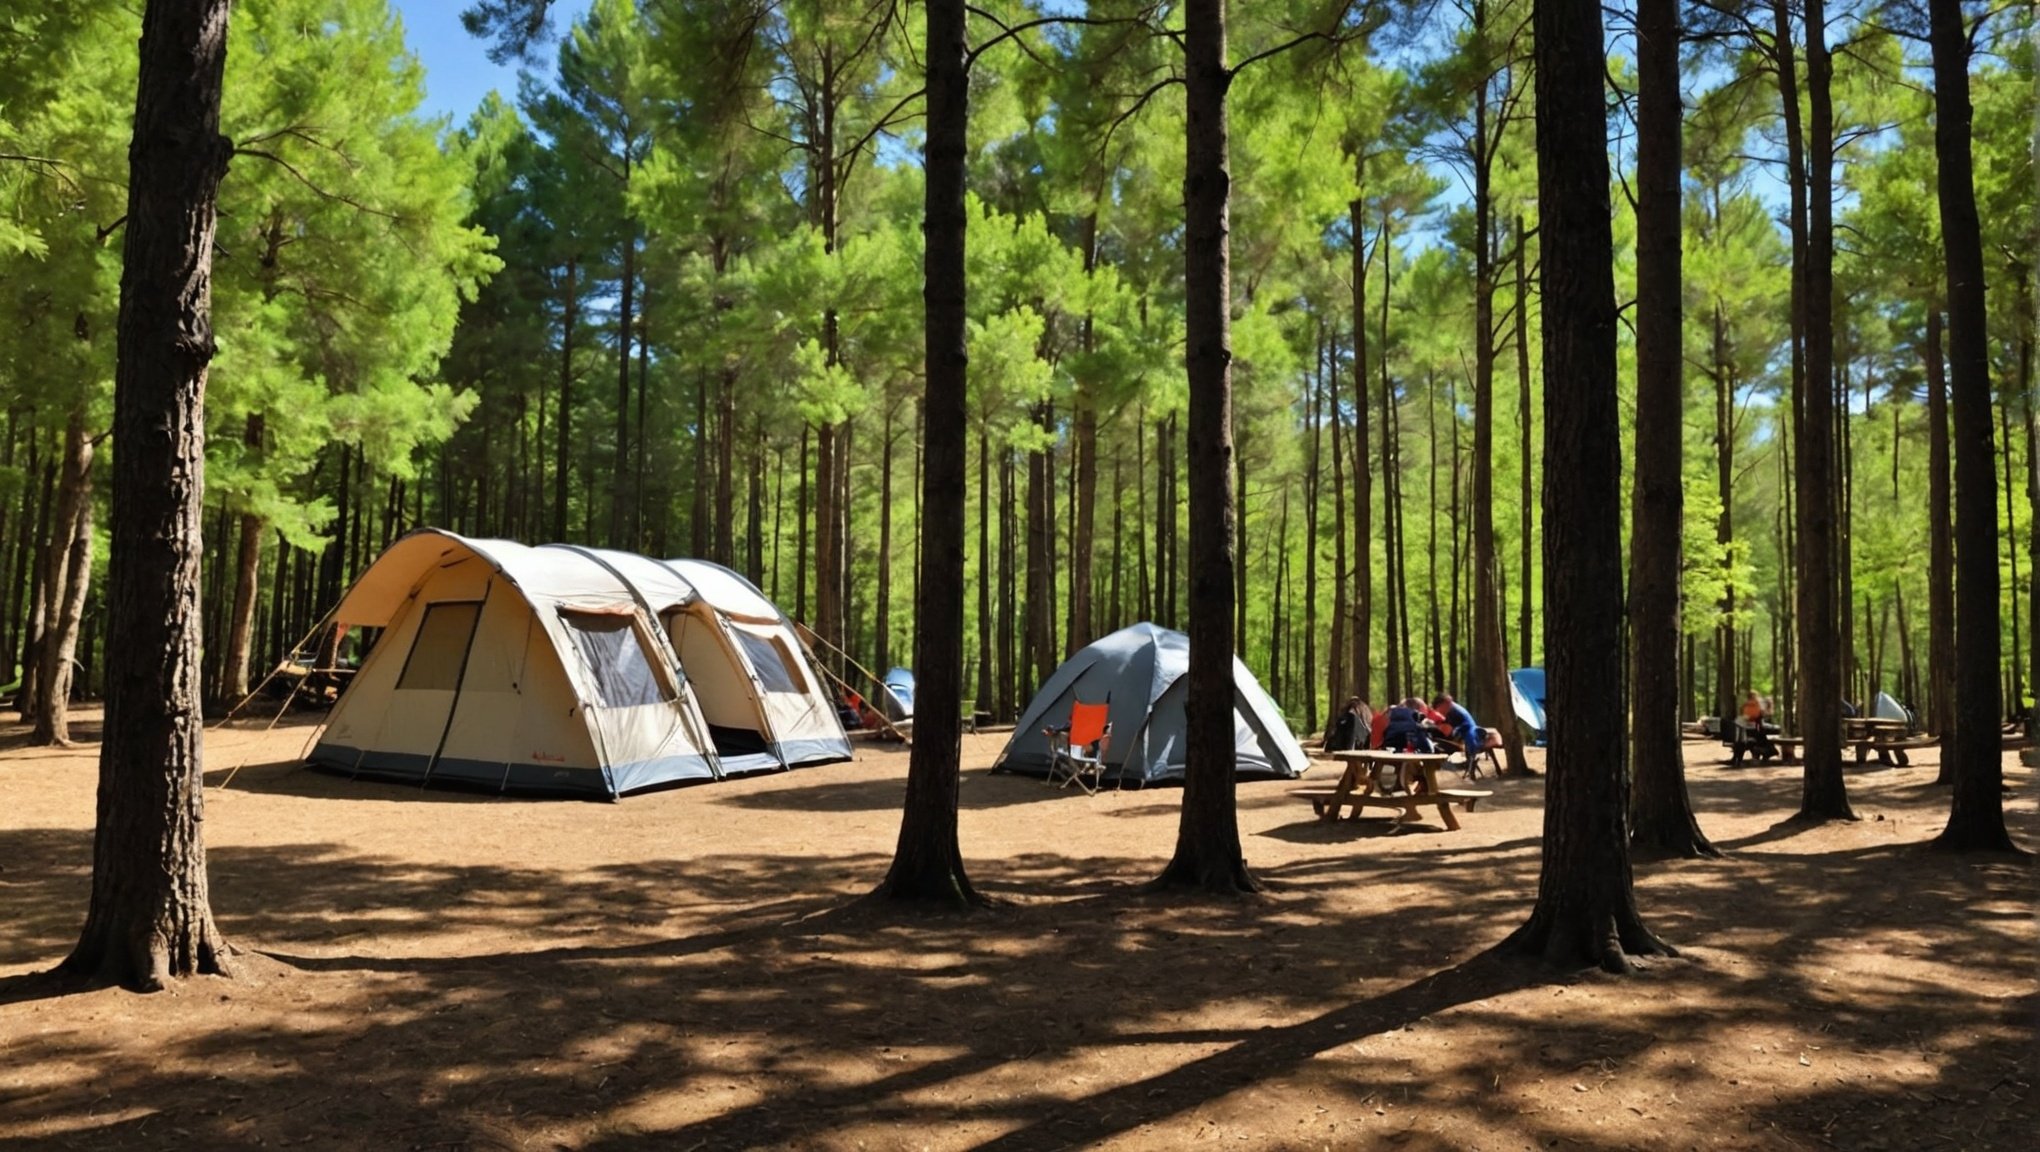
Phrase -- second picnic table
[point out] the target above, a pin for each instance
(1417, 773)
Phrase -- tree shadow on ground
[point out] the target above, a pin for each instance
(743, 1000)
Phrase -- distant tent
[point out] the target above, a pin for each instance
(1526, 697)
(1886, 708)
(899, 695)
(558, 671)
(1140, 672)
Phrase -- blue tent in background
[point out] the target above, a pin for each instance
(1526, 694)
(899, 695)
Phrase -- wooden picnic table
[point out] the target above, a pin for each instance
(1889, 745)
(1416, 772)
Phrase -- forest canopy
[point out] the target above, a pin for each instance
(666, 297)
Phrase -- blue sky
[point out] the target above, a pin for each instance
(457, 68)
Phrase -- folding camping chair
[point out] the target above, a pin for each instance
(1077, 749)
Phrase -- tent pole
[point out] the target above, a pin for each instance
(280, 666)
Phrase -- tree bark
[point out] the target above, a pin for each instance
(247, 574)
(1084, 496)
(69, 582)
(1724, 523)
(57, 642)
(1661, 811)
(927, 864)
(1344, 679)
(1586, 906)
(1490, 670)
(1824, 792)
(882, 610)
(1527, 494)
(1312, 419)
(1208, 855)
(563, 463)
(1940, 543)
(2027, 335)
(36, 621)
(621, 498)
(1361, 673)
(1976, 818)
(987, 628)
(150, 918)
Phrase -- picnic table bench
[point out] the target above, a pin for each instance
(1889, 749)
(1417, 772)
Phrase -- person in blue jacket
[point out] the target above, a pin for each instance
(1459, 723)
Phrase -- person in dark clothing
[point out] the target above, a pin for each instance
(1405, 731)
(1349, 729)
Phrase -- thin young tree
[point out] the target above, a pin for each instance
(1208, 855)
(1824, 794)
(1586, 905)
(150, 918)
(1662, 812)
(1976, 819)
(927, 863)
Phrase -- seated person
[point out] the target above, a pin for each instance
(1458, 723)
(1349, 728)
(1752, 730)
(1405, 731)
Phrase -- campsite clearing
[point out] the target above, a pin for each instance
(443, 969)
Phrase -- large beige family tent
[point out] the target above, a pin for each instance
(569, 671)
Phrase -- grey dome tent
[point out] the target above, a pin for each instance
(1140, 672)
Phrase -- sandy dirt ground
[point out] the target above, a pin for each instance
(687, 970)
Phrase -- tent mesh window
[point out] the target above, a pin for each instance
(615, 653)
(440, 647)
(777, 671)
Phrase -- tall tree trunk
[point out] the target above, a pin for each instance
(1490, 669)
(986, 625)
(1240, 543)
(1824, 794)
(802, 532)
(1586, 905)
(69, 579)
(58, 548)
(1661, 812)
(1040, 474)
(150, 918)
(927, 863)
(247, 573)
(37, 620)
(1084, 494)
(882, 609)
(621, 498)
(1008, 573)
(1362, 645)
(1208, 855)
(2016, 671)
(1724, 523)
(1431, 526)
(1312, 409)
(2026, 338)
(1527, 495)
(1344, 677)
(1976, 819)
(563, 457)
(828, 574)
(725, 551)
